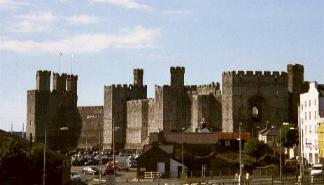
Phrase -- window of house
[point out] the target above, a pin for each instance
(309, 102)
(315, 115)
(302, 106)
(305, 115)
(310, 115)
(315, 102)
(305, 104)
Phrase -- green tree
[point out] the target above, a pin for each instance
(255, 148)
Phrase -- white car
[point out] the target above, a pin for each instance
(75, 177)
(317, 170)
(90, 170)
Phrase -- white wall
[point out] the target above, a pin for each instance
(309, 117)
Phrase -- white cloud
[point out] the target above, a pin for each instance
(85, 43)
(34, 22)
(43, 21)
(129, 4)
(177, 12)
(81, 19)
(9, 4)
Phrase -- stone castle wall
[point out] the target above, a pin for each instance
(115, 109)
(92, 124)
(52, 109)
(264, 92)
(137, 123)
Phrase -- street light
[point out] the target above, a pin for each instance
(240, 154)
(44, 165)
(92, 117)
(182, 169)
(114, 129)
(284, 124)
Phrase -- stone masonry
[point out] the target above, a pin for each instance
(52, 109)
(251, 97)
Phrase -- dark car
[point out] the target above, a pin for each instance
(91, 162)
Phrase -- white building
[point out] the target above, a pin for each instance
(311, 106)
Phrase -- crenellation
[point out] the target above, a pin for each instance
(43, 80)
(42, 104)
(178, 106)
(249, 73)
(275, 73)
(258, 73)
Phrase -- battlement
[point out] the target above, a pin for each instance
(138, 76)
(261, 74)
(138, 70)
(72, 83)
(72, 77)
(177, 76)
(59, 81)
(211, 85)
(127, 86)
(43, 80)
(295, 67)
(177, 69)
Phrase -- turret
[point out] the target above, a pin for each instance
(138, 77)
(43, 80)
(177, 76)
(72, 83)
(59, 82)
(295, 78)
(295, 88)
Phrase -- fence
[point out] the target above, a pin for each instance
(151, 175)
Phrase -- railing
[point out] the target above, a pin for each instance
(151, 175)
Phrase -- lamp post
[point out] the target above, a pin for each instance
(182, 169)
(92, 117)
(284, 124)
(44, 155)
(114, 128)
(240, 153)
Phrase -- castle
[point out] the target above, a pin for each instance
(51, 109)
(253, 98)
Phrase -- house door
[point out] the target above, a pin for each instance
(161, 167)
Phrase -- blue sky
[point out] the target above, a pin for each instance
(105, 39)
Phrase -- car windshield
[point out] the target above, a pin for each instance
(317, 168)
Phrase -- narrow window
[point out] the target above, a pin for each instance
(305, 116)
(309, 103)
(310, 115)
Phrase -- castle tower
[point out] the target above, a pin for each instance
(138, 77)
(59, 82)
(295, 88)
(177, 76)
(72, 83)
(43, 80)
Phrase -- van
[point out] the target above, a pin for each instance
(317, 170)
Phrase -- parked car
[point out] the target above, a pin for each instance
(91, 162)
(90, 170)
(317, 170)
(75, 177)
